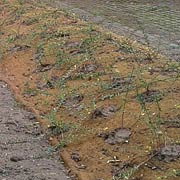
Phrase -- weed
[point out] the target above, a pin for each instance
(14, 35)
(21, 2)
(125, 46)
(40, 53)
(30, 21)
(29, 91)
(125, 99)
(174, 173)
(153, 125)
(58, 127)
(61, 58)
(127, 174)
(19, 10)
(61, 144)
(80, 75)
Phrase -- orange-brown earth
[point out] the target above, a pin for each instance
(109, 104)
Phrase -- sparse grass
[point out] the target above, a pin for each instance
(57, 126)
(80, 59)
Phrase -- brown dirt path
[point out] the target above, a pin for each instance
(24, 151)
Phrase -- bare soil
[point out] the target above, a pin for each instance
(103, 100)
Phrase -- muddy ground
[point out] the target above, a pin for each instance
(24, 150)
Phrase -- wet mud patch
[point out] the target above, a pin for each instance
(72, 102)
(169, 153)
(117, 136)
(24, 148)
(104, 112)
(150, 96)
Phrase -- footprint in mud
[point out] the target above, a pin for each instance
(120, 135)
(150, 96)
(72, 102)
(169, 153)
(104, 111)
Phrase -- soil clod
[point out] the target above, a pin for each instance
(88, 68)
(120, 135)
(169, 153)
(73, 102)
(44, 68)
(16, 158)
(76, 157)
(104, 111)
(150, 96)
(31, 116)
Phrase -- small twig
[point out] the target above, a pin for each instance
(142, 163)
(114, 160)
